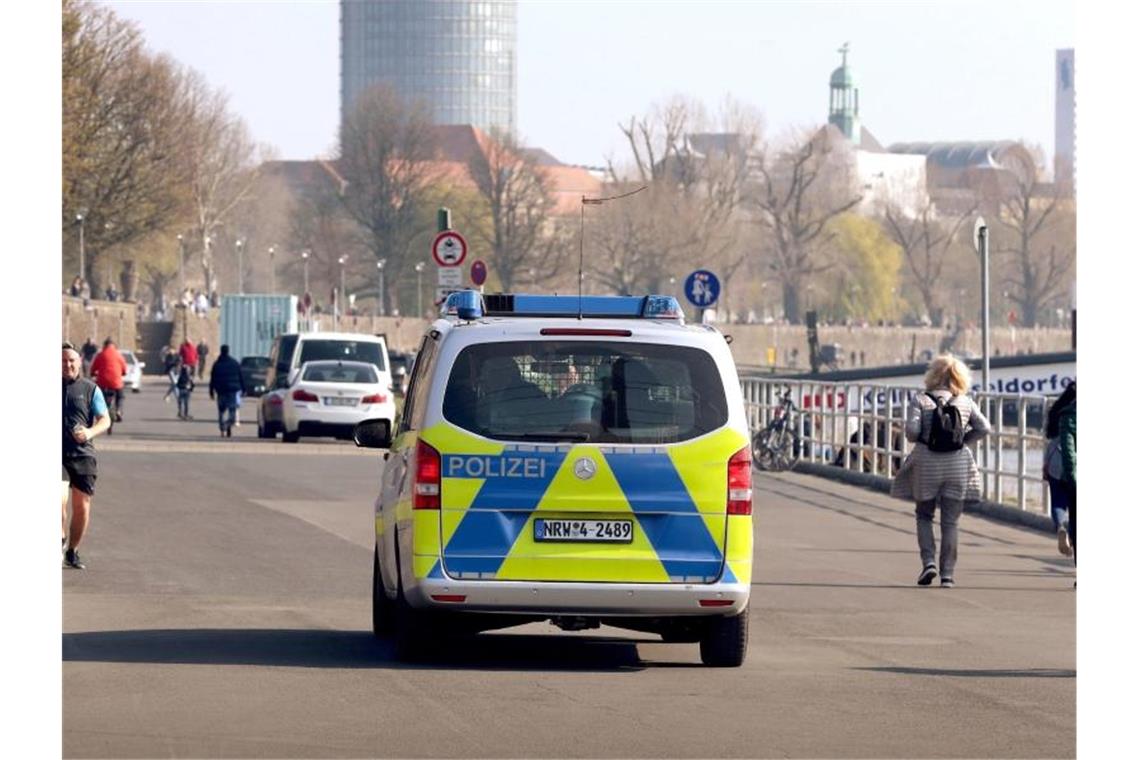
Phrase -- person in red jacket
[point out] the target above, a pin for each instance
(108, 369)
(189, 354)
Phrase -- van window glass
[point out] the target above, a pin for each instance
(579, 391)
(412, 417)
(318, 349)
(340, 372)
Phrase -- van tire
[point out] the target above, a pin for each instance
(288, 437)
(725, 641)
(410, 631)
(383, 608)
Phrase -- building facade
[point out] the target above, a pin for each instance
(456, 56)
(1065, 119)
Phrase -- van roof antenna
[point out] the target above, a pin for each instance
(582, 233)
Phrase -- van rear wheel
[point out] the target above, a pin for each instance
(383, 608)
(725, 641)
(411, 633)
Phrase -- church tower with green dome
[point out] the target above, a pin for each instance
(844, 108)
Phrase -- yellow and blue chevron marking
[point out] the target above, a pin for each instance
(492, 491)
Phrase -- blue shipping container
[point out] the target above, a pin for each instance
(251, 322)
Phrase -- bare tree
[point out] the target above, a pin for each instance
(517, 194)
(386, 147)
(224, 168)
(1035, 234)
(800, 189)
(926, 240)
(123, 135)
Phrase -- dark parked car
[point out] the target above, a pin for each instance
(401, 370)
(253, 372)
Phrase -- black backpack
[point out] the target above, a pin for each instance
(947, 431)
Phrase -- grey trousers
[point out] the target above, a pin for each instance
(951, 510)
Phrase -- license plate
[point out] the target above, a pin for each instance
(606, 531)
(340, 402)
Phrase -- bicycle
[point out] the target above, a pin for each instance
(776, 446)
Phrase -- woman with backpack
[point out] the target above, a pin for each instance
(940, 470)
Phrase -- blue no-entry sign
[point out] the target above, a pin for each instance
(702, 288)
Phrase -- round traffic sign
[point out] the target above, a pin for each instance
(449, 249)
(478, 272)
(702, 288)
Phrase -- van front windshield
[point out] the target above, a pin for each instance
(577, 391)
(320, 349)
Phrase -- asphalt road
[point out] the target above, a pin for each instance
(225, 613)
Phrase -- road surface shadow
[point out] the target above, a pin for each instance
(349, 649)
(979, 673)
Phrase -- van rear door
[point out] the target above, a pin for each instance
(584, 461)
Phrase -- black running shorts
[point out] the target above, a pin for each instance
(81, 472)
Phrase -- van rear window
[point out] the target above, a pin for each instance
(320, 349)
(577, 391)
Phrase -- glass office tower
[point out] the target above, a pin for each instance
(458, 56)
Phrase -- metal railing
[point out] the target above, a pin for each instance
(859, 426)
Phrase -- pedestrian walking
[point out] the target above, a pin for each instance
(227, 386)
(108, 370)
(1053, 470)
(84, 417)
(1067, 432)
(185, 388)
(203, 351)
(170, 365)
(88, 353)
(940, 470)
(188, 354)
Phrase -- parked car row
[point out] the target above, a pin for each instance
(323, 384)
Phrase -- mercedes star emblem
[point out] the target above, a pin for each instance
(585, 468)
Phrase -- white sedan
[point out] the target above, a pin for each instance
(134, 371)
(328, 398)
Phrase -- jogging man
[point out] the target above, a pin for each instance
(84, 417)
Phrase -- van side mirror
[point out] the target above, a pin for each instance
(373, 434)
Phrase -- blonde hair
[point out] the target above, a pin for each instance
(948, 372)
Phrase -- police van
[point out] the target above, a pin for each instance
(576, 459)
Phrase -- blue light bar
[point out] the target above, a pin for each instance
(469, 305)
(628, 307)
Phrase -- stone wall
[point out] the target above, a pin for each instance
(403, 333)
(882, 346)
(873, 346)
(99, 320)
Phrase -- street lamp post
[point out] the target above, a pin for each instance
(181, 266)
(419, 289)
(272, 270)
(380, 286)
(241, 278)
(305, 260)
(80, 218)
(340, 296)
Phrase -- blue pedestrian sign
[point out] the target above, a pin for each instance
(702, 288)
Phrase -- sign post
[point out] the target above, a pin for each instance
(982, 245)
(449, 249)
(702, 289)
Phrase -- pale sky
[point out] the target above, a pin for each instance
(925, 70)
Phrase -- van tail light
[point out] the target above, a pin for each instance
(303, 395)
(740, 483)
(426, 488)
(276, 400)
(375, 398)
